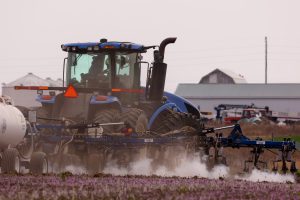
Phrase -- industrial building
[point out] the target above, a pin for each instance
(279, 97)
(27, 97)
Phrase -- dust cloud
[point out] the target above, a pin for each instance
(75, 169)
(259, 176)
(186, 167)
(195, 167)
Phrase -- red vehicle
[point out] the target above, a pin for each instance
(235, 114)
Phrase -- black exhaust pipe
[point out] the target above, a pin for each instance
(159, 71)
(163, 45)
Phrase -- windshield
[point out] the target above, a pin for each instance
(89, 70)
(103, 70)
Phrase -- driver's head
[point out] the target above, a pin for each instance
(122, 61)
(97, 60)
(97, 64)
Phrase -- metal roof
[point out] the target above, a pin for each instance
(53, 83)
(32, 80)
(240, 91)
(28, 80)
(237, 78)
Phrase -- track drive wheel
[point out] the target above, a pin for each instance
(10, 161)
(136, 118)
(38, 163)
(107, 116)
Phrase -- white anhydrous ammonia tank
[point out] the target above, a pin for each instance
(12, 125)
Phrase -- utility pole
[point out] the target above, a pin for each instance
(266, 60)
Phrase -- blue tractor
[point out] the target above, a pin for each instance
(103, 100)
(107, 79)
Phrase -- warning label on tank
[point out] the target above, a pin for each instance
(3, 126)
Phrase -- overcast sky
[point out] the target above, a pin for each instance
(211, 34)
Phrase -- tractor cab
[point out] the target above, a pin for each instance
(105, 67)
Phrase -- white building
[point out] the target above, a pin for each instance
(279, 97)
(27, 97)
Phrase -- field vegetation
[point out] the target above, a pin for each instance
(68, 186)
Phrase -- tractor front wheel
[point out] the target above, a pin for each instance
(170, 120)
(107, 116)
(10, 161)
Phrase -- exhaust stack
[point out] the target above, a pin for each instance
(159, 71)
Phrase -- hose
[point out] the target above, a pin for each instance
(31, 144)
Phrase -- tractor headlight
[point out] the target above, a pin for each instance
(96, 48)
(63, 47)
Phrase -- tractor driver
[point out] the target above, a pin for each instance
(97, 74)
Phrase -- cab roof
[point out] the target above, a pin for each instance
(95, 47)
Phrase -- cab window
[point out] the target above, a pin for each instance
(125, 69)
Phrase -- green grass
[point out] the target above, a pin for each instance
(293, 138)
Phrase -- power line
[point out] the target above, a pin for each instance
(214, 49)
(266, 60)
(215, 56)
(23, 59)
(217, 62)
(286, 46)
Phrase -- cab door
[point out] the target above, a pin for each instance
(127, 78)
